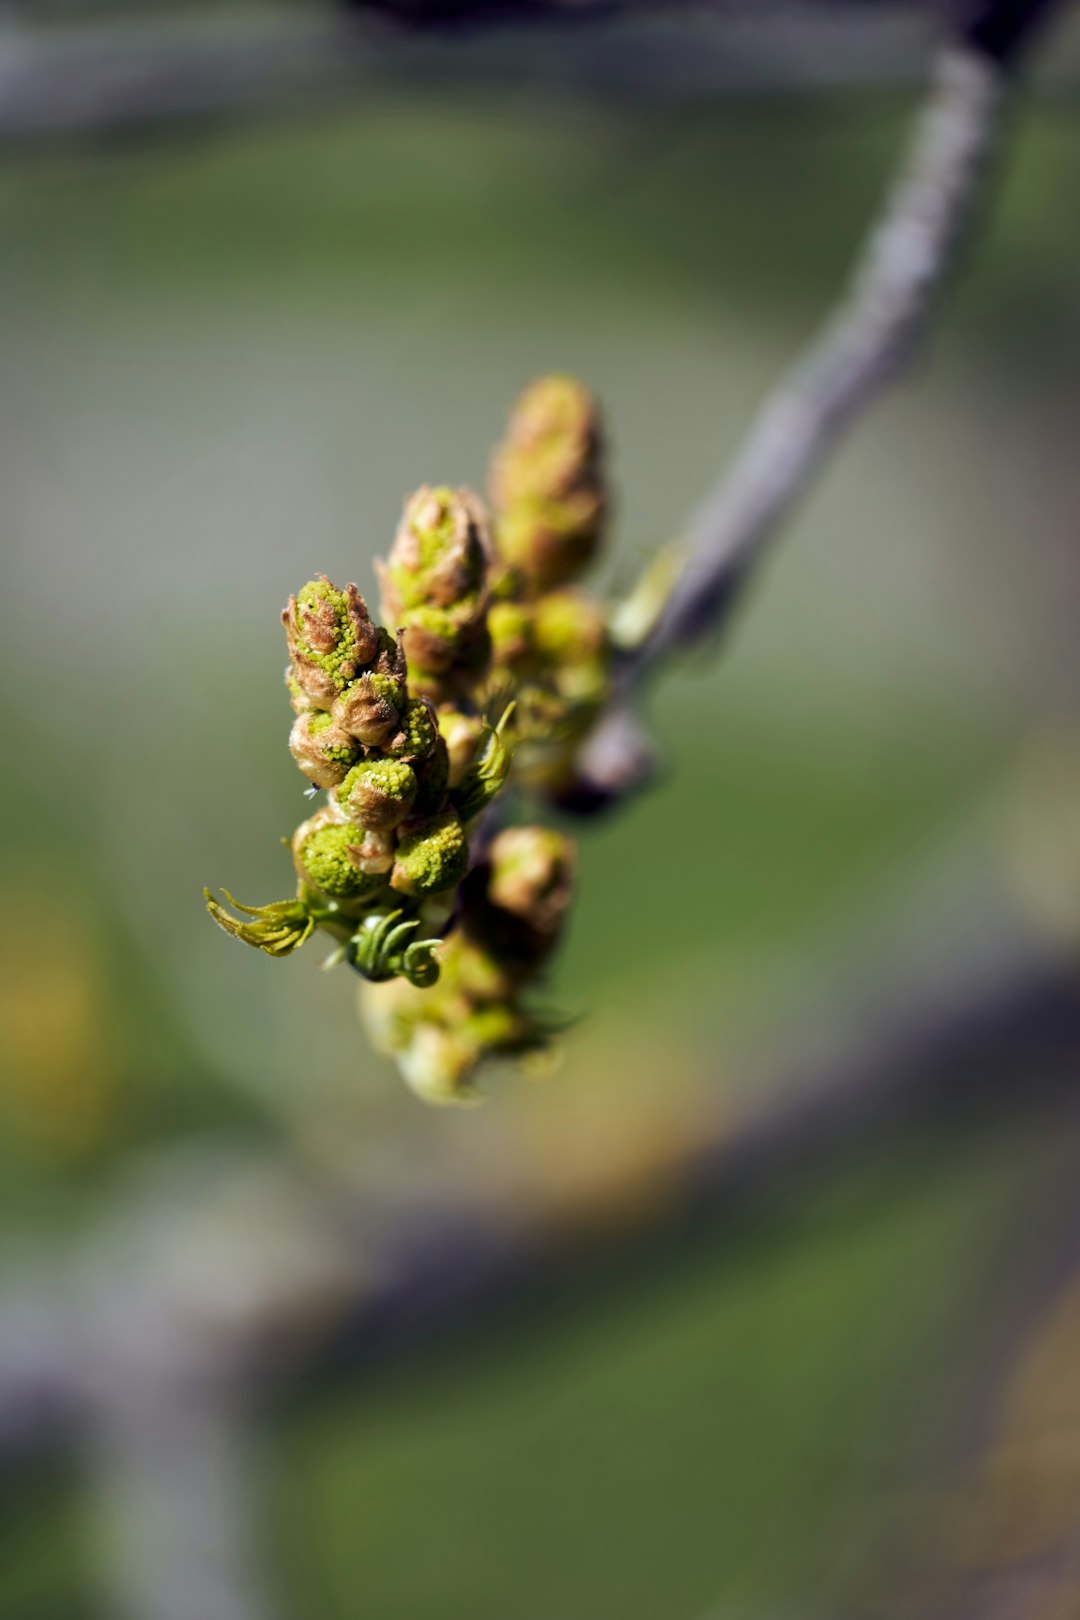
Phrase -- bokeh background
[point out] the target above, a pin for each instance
(764, 1302)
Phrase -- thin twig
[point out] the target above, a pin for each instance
(878, 325)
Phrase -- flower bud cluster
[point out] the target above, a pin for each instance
(388, 828)
(435, 585)
(547, 484)
(550, 638)
(513, 904)
(483, 618)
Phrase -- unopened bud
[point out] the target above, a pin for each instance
(378, 793)
(440, 552)
(437, 1062)
(532, 875)
(417, 733)
(546, 483)
(439, 640)
(297, 696)
(326, 855)
(331, 638)
(323, 751)
(510, 626)
(570, 627)
(434, 582)
(369, 709)
(431, 857)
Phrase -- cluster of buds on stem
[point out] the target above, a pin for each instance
(551, 642)
(510, 915)
(491, 662)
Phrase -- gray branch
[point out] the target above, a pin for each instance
(878, 325)
(133, 78)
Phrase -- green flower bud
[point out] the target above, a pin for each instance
(439, 640)
(461, 734)
(331, 638)
(437, 1062)
(532, 871)
(570, 627)
(325, 853)
(546, 484)
(297, 696)
(323, 751)
(434, 583)
(369, 709)
(390, 660)
(431, 857)
(440, 553)
(418, 732)
(378, 793)
(510, 626)
(553, 541)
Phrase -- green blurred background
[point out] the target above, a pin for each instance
(227, 356)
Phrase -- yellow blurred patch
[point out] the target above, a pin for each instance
(59, 1074)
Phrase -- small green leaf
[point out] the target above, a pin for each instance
(278, 928)
(382, 949)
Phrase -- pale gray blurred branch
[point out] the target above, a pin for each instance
(221, 1268)
(223, 1277)
(877, 326)
(136, 77)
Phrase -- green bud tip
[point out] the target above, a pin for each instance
(418, 731)
(510, 625)
(546, 483)
(323, 751)
(369, 710)
(331, 638)
(532, 872)
(570, 627)
(378, 793)
(327, 856)
(440, 553)
(431, 857)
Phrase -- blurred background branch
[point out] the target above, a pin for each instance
(85, 81)
(203, 1285)
(218, 1284)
